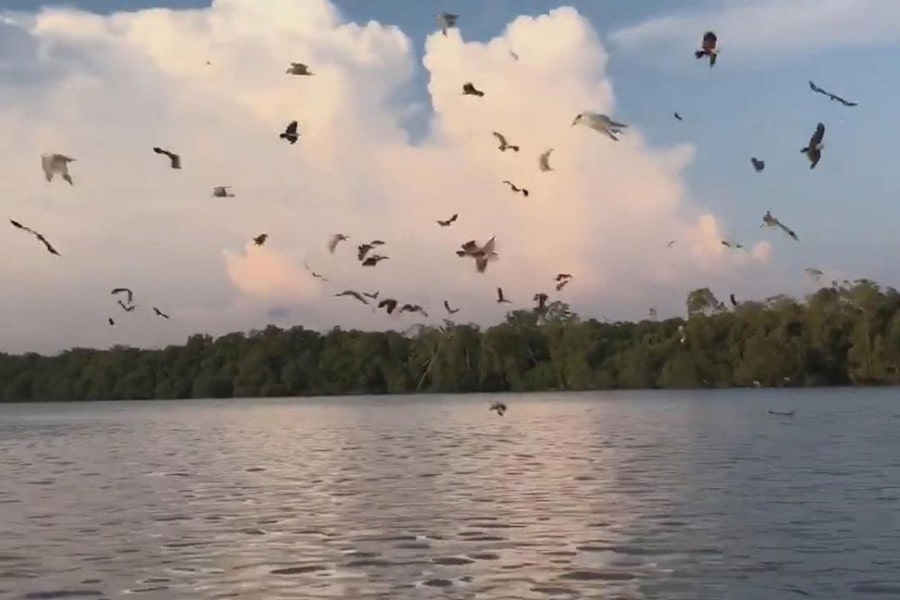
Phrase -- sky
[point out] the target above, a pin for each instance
(389, 145)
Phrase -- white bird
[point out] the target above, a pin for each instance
(544, 161)
(446, 21)
(221, 191)
(299, 69)
(56, 163)
(601, 123)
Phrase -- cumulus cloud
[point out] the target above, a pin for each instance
(105, 89)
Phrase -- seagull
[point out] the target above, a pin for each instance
(40, 237)
(446, 21)
(504, 145)
(670, 243)
(413, 308)
(831, 96)
(389, 304)
(601, 123)
(160, 313)
(261, 239)
(374, 260)
(501, 299)
(290, 133)
(734, 302)
(728, 244)
(541, 300)
(481, 254)
(335, 240)
(128, 293)
(451, 311)
(514, 188)
(449, 221)
(56, 163)
(813, 149)
(708, 48)
(544, 160)
(354, 294)
(221, 191)
(499, 408)
(174, 159)
(771, 221)
(470, 90)
(758, 165)
(127, 308)
(677, 116)
(299, 69)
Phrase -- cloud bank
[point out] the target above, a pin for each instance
(106, 89)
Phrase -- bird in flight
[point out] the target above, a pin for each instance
(504, 145)
(670, 243)
(501, 299)
(758, 165)
(677, 116)
(449, 221)
(334, 240)
(541, 300)
(353, 294)
(388, 304)
(499, 408)
(562, 280)
(373, 260)
(290, 133)
(299, 69)
(40, 237)
(129, 295)
(813, 149)
(221, 191)
(56, 163)
(372, 295)
(515, 188)
(126, 308)
(261, 239)
(600, 122)
(814, 273)
(728, 244)
(313, 273)
(446, 21)
(481, 254)
(451, 311)
(708, 48)
(771, 222)
(831, 96)
(734, 301)
(544, 160)
(413, 308)
(110, 321)
(470, 90)
(160, 313)
(174, 159)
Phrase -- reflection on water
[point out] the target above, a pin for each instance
(645, 495)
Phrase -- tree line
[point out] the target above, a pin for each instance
(840, 335)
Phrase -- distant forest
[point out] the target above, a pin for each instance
(841, 335)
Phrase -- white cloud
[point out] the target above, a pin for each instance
(107, 89)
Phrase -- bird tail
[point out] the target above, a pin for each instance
(805, 150)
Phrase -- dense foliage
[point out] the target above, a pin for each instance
(840, 335)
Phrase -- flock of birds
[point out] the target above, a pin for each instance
(481, 253)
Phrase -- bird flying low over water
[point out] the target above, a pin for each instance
(708, 48)
(450, 311)
(499, 408)
(40, 237)
(174, 159)
(334, 240)
(353, 294)
(515, 188)
(290, 133)
(600, 122)
(221, 191)
(758, 165)
(53, 164)
(771, 222)
(470, 90)
(813, 150)
(501, 299)
(129, 295)
(261, 239)
(160, 313)
(544, 160)
(831, 96)
(449, 221)
(299, 69)
(504, 145)
(481, 254)
(446, 21)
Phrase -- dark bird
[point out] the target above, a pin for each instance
(733, 301)
(770, 221)
(354, 294)
(221, 191)
(677, 116)
(561, 276)
(788, 413)
(541, 300)
(728, 244)
(414, 308)
(299, 69)
(261, 239)
(128, 293)
(758, 165)
(374, 260)
(831, 96)
(561, 283)
(446, 21)
(449, 221)
(501, 299)
(174, 159)
(124, 307)
(377, 242)
(481, 254)
(813, 150)
(451, 311)
(160, 313)
(334, 240)
(504, 145)
(708, 48)
(40, 237)
(313, 273)
(515, 188)
(471, 90)
(362, 250)
(290, 133)
(372, 295)
(499, 408)
(389, 304)
(670, 243)
(110, 321)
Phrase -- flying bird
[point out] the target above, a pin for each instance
(541, 300)
(374, 260)
(561, 284)
(561, 276)
(56, 163)
(261, 239)
(160, 313)
(758, 165)
(174, 159)
(600, 122)
(670, 243)
(481, 254)
(290, 133)
(499, 408)
(128, 293)
(449, 221)
(40, 237)
(652, 312)
(504, 145)
(334, 240)
(299, 69)
(708, 48)
(728, 244)
(446, 21)
(389, 304)
(470, 90)
(770, 221)
(813, 272)
(221, 191)
(451, 311)
(126, 308)
(677, 116)
(110, 321)
(734, 302)
(515, 188)
(831, 96)
(313, 273)
(813, 149)
(413, 308)
(501, 299)
(354, 294)
(544, 160)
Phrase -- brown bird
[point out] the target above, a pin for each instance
(128, 293)
(372, 295)
(813, 149)
(561, 276)
(335, 240)
(708, 48)
(499, 408)
(40, 237)
(160, 313)
(504, 145)
(389, 304)
(449, 221)
(481, 254)
(174, 159)
(299, 69)
(561, 284)
(124, 307)
(354, 294)
(541, 299)
(471, 90)
(451, 311)
(758, 165)
(501, 299)
(413, 308)
(261, 239)
(515, 188)
(374, 260)
(290, 133)
(313, 273)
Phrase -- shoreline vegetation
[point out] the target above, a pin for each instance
(841, 335)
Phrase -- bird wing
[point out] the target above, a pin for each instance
(488, 247)
(47, 244)
(816, 138)
(500, 138)
(332, 243)
(785, 229)
(291, 128)
(454, 217)
(816, 88)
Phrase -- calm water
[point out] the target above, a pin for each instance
(645, 495)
